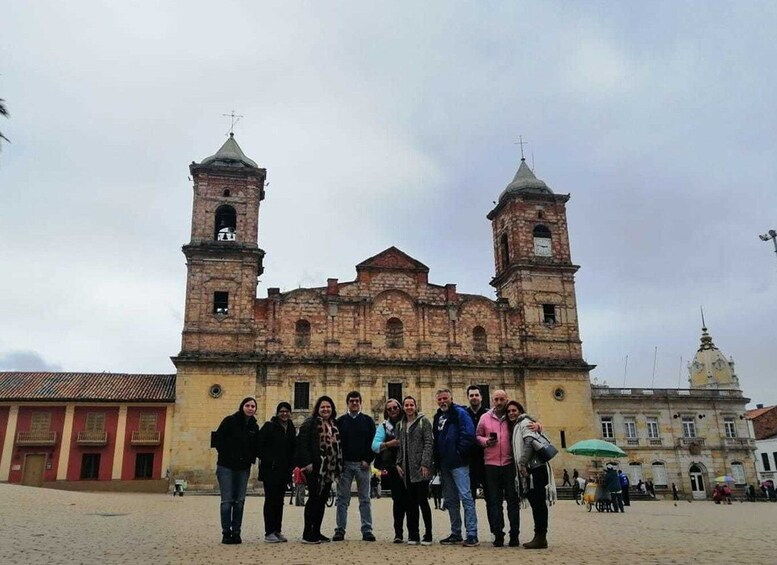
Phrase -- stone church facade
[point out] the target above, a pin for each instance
(389, 332)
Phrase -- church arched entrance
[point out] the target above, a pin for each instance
(698, 489)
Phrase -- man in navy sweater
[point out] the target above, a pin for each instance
(356, 433)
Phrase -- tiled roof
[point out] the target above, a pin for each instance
(87, 387)
(755, 412)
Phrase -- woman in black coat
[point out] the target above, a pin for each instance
(320, 457)
(237, 443)
(276, 451)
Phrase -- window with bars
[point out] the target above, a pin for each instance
(479, 339)
(148, 422)
(395, 331)
(607, 432)
(302, 396)
(730, 426)
(302, 333)
(95, 422)
(40, 422)
(689, 427)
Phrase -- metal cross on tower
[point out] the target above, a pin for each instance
(235, 118)
(521, 142)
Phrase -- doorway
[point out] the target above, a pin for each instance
(698, 490)
(34, 466)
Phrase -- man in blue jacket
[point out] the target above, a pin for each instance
(454, 436)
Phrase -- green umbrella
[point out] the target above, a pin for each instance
(596, 448)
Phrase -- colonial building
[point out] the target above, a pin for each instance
(387, 333)
(86, 431)
(763, 421)
(685, 437)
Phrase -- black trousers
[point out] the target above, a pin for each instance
(476, 480)
(626, 500)
(398, 500)
(538, 499)
(499, 486)
(418, 501)
(274, 492)
(314, 508)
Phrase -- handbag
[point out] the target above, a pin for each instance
(543, 449)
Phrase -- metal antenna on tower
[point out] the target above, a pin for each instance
(655, 355)
(521, 142)
(625, 371)
(234, 119)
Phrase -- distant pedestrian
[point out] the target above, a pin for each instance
(625, 484)
(613, 485)
(299, 487)
(566, 479)
(675, 494)
(436, 487)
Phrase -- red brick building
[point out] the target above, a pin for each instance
(89, 431)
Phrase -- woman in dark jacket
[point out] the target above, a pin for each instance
(320, 457)
(386, 445)
(276, 451)
(237, 443)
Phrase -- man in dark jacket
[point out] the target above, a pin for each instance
(356, 433)
(276, 450)
(237, 443)
(454, 436)
(475, 411)
(613, 485)
(625, 484)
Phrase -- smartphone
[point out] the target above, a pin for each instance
(492, 435)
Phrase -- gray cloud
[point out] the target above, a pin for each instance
(26, 361)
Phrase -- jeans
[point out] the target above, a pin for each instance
(538, 499)
(351, 470)
(299, 495)
(455, 488)
(274, 492)
(418, 500)
(233, 486)
(314, 508)
(500, 487)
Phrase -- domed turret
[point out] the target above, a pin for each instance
(710, 368)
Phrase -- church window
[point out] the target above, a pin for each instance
(607, 427)
(90, 466)
(549, 314)
(226, 192)
(226, 223)
(301, 396)
(302, 333)
(731, 428)
(738, 472)
(221, 302)
(540, 215)
(479, 339)
(395, 333)
(542, 241)
(144, 465)
(395, 391)
(504, 251)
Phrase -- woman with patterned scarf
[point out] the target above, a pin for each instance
(321, 459)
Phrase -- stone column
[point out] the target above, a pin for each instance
(118, 452)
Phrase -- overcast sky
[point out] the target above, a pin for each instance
(389, 125)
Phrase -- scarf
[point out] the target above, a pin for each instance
(330, 453)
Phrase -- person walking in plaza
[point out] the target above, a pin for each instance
(357, 430)
(277, 442)
(298, 478)
(566, 479)
(613, 485)
(320, 456)
(475, 411)
(454, 435)
(536, 482)
(414, 466)
(436, 488)
(625, 484)
(237, 443)
(676, 495)
(493, 435)
(386, 446)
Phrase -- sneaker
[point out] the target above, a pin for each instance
(398, 539)
(427, 539)
(312, 541)
(368, 537)
(280, 536)
(413, 542)
(339, 536)
(323, 539)
(471, 541)
(271, 538)
(499, 540)
(451, 540)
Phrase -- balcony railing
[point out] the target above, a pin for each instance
(92, 438)
(610, 439)
(36, 438)
(739, 442)
(145, 438)
(655, 441)
(689, 441)
(632, 441)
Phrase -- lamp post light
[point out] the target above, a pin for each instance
(772, 234)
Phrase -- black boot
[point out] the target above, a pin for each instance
(539, 542)
(236, 538)
(226, 538)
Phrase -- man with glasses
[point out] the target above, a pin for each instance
(454, 436)
(357, 431)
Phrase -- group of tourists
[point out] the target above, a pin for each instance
(501, 444)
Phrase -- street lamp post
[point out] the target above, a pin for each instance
(771, 235)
